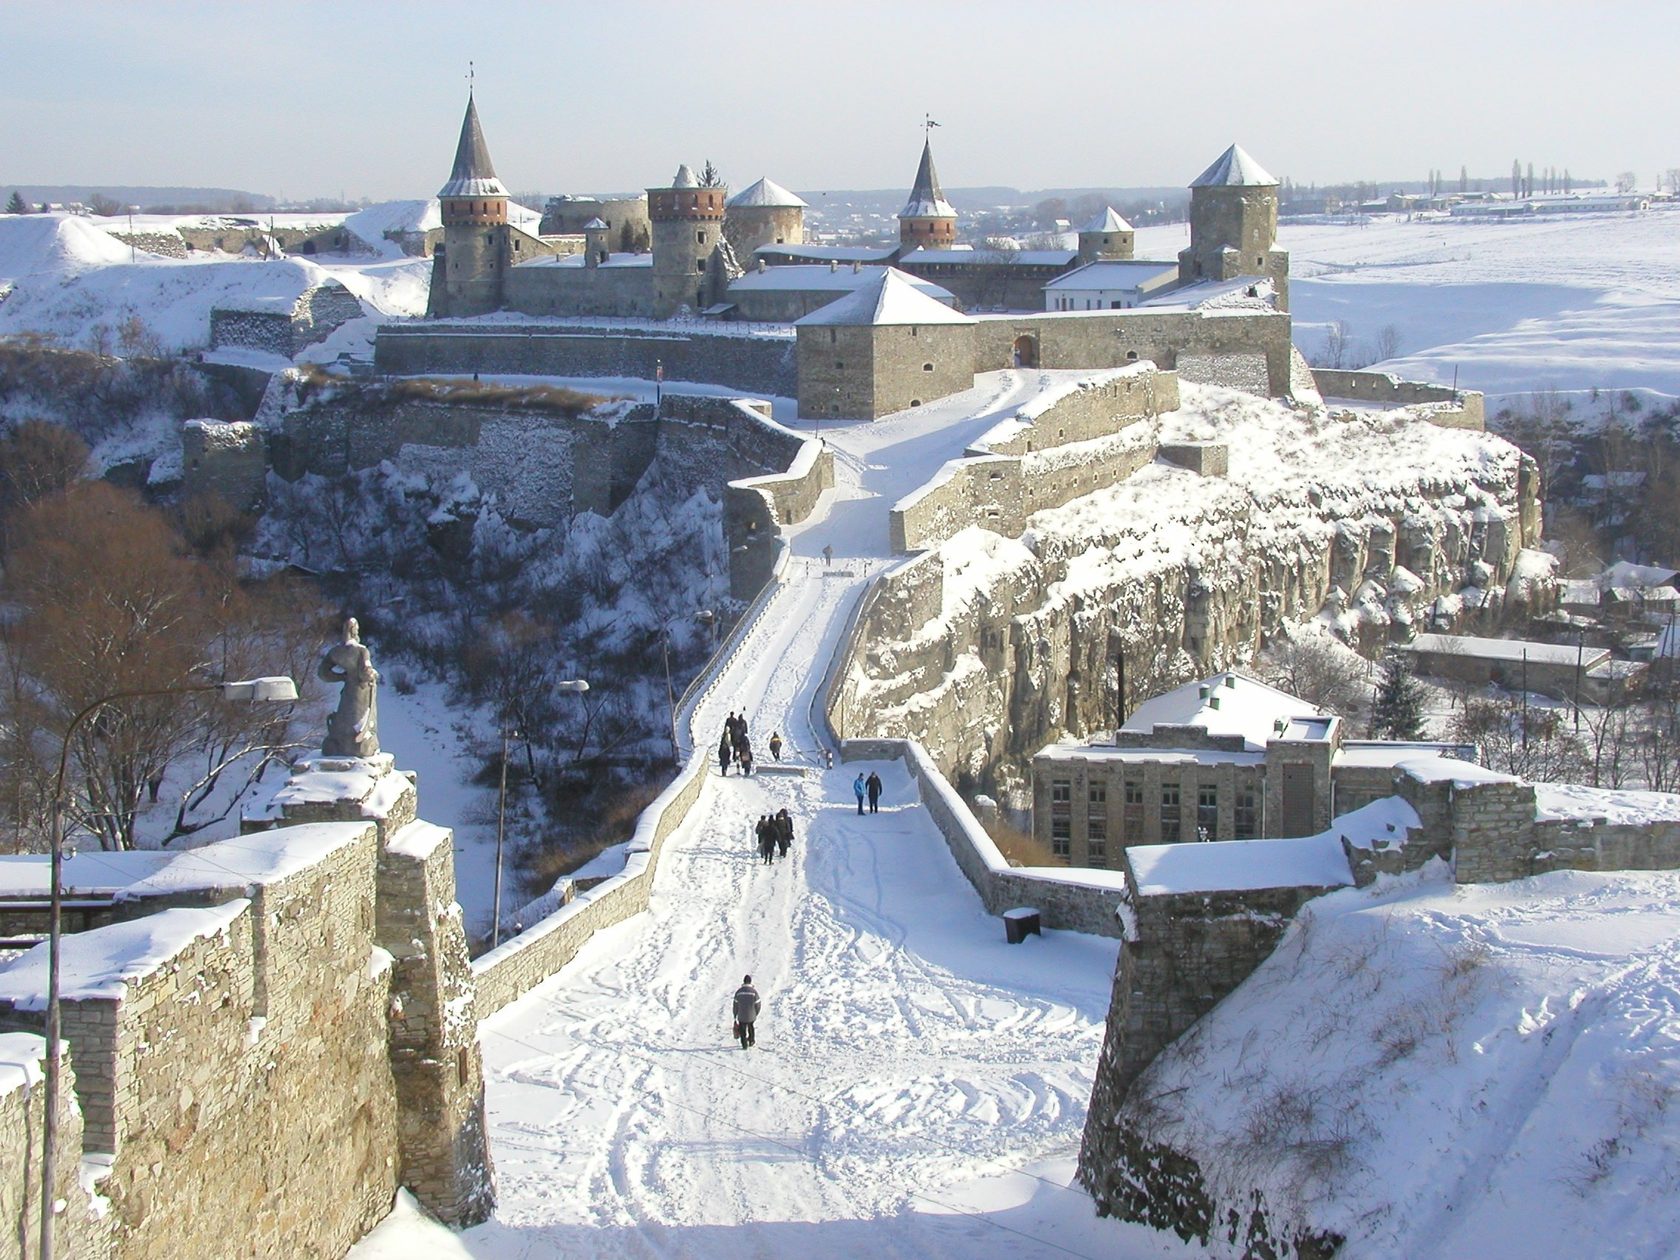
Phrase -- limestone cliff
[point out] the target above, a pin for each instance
(985, 648)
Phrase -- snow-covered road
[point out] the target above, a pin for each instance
(919, 1086)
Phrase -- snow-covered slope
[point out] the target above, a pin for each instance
(1440, 1071)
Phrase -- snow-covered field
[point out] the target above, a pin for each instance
(1565, 303)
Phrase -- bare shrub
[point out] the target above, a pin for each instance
(1319, 669)
(1020, 848)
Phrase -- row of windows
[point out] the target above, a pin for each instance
(1245, 820)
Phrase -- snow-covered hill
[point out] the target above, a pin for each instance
(1437, 1071)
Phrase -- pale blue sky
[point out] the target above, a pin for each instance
(317, 99)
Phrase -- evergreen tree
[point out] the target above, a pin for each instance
(17, 205)
(1397, 711)
(1516, 178)
(709, 177)
(1463, 179)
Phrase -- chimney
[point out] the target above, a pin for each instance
(1213, 703)
(1203, 691)
(761, 266)
(1230, 680)
(833, 265)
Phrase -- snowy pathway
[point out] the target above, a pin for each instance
(919, 1086)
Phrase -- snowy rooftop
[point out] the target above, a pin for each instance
(816, 277)
(684, 177)
(1463, 774)
(968, 256)
(1510, 651)
(766, 194)
(1233, 705)
(1108, 221)
(21, 1057)
(1232, 292)
(1378, 753)
(1238, 865)
(100, 962)
(892, 297)
(1234, 168)
(826, 253)
(1622, 575)
(473, 175)
(1116, 274)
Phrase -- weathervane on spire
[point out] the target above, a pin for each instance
(469, 76)
(928, 124)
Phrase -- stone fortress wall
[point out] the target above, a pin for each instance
(287, 1012)
(705, 354)
(1097, 433)
(1445, 406)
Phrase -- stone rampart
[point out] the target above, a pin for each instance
(78, 1230)
(1443, 405)
(702, 354)
(229, 459)
(1195, 343)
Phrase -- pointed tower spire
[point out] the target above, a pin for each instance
(473, 174)
(927, 218)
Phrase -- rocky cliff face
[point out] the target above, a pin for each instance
(986, 648)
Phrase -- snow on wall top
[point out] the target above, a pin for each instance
(262, 857)
(815, 276)
(889, 298)
(1234, 168)
(766, 194)
(1233, 705)
(968, 256)
(1108, 221)
(1620, 806)
(1164, 870)
(21, 1056)
(830, 253)
(100, 962)
(1113, 274)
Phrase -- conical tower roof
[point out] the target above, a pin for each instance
(1234, 168)
(766, 194)
(473, 175)
(927, 198)
(889, 298)
(1109, 220)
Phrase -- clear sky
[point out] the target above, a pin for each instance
(357, 98)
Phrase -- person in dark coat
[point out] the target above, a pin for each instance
(858, 789)
(784, 831)
(747, 1007)
(872, 785)
(725, 751)
(775, 745)
(743, 754)
(766, 840)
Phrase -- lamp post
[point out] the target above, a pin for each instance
(273, 690)
(578, 685)
(132, 254)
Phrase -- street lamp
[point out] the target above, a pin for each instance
(577, 685)
(271, 690)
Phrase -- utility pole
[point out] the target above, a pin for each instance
(1119, 692)
(1580, 650)
(501, 825)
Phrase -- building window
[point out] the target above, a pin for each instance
(1246, 823)
(927, 367)
(1061, 817)
(1131, 813)
(832, 336)
(699, 264)
(839, 365)
(912, 330)
(1096, 812)
(1207, 812)
(1169, 813)
(699, 238)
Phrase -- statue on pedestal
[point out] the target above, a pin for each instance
(353, 730)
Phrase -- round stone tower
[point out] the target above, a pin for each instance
(597, 247)
(764, 213)
(1233, 224)
(687, 225)
(467, 270)
(1106, 238)
(927, 221)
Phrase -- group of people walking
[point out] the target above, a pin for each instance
(735, 746)
(775, 835)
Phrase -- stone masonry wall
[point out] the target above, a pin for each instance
(1101, 339)
(1462, 409)
(755, 365)
(228, 459)
(268, 331)
(77, 1232)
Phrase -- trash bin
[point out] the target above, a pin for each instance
(1019, 923)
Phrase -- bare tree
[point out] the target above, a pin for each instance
(1626, 182)
(1319, 670)
(1387, 344)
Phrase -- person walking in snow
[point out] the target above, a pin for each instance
(743, 754)
(766, 841)
(828, 554)
(859, 787)
(747, 1007)
(724, 751)
(775, 745)
(783, 825)
(872, 785)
